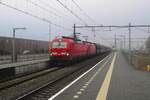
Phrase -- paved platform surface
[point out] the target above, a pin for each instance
(111, 79)
(127, 83)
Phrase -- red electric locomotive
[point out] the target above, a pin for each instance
(69, 49)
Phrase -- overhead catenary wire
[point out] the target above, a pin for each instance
(50, 7)
(35, 4)
(30, 14)
(66, 7)
(85, 14)
(110, 43)
(141, 30)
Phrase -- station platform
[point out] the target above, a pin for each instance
(111, 79)
(18, 68)
(17, 64)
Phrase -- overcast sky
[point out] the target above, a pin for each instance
(106, 12)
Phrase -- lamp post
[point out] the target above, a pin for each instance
(13, 43)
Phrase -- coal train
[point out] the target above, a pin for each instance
(69, 49)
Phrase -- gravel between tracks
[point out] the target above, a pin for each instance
(48, 91)
(17, 90)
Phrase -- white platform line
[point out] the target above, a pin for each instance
(62, 90)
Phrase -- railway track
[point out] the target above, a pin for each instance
(46, 91)
(47, 86)
(28, 86)
(20, 83)
(19, 80)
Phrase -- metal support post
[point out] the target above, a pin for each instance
(49, 34)
(13, 46)
(124, 42)
(74, 31)
(130, 52)
(115, 42)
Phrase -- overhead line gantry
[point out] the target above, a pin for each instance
(114, 26)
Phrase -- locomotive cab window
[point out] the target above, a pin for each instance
(59, 45)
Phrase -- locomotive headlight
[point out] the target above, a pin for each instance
(67, 54)
(54, 53)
